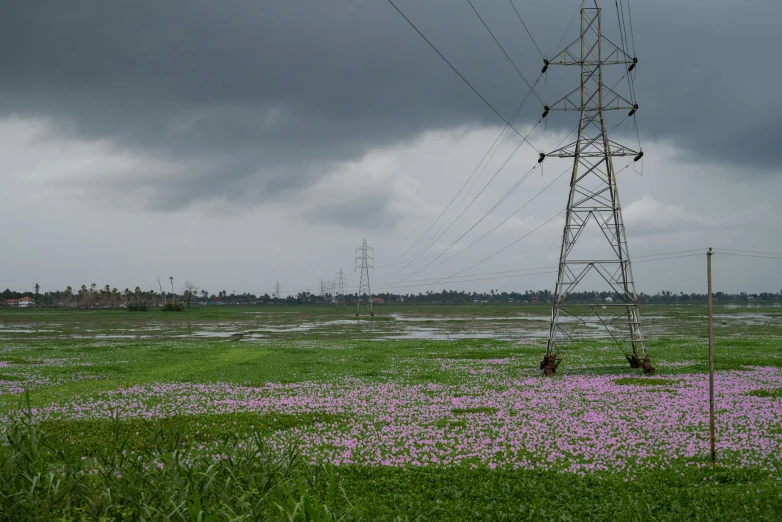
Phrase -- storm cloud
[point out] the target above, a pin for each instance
(265, 139)
(257, 100)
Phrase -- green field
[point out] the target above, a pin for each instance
(426, 412)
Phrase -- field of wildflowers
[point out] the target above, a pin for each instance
(461, 428)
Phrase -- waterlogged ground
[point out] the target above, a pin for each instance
(436, 388)
(507, 321)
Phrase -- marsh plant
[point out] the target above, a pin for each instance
(41, 480)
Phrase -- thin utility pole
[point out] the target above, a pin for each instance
(711, 361)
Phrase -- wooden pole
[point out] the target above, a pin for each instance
(711, 362)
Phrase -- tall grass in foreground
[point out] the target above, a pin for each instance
(243, 482)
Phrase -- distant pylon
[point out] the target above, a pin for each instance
(323, 290)
(364, 257)
(277, 289)
(594, 197)
(339, 288)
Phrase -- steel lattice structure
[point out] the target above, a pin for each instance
(339, 288)
(594, 198)
(364, 258)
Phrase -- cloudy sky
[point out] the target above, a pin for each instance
(238, 142)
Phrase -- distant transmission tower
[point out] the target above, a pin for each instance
(277, 289)
(339, 288)
(329, 292)
(594, 197)
(364, 256)
(323, 290)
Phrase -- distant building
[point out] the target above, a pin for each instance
(24, 302)
(378, 300)
(609, 299)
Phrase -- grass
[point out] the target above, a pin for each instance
(39, 482)
(775, 393)
(483, 409)
(641, 381)
(134, 469)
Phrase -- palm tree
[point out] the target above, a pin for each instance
(37, 288)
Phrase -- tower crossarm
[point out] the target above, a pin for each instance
(570, 150)
(612, 101)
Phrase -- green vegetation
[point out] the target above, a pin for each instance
(132, 468)
(775, 393)
(641, 381)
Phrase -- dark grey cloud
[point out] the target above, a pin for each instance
(258, 99)
(371, 213)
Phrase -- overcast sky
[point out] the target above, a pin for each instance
(238, 142)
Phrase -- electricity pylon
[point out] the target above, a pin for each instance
(364, 256)
(277, 289)
(594, 197)
(339, 287)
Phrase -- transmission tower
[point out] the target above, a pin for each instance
(364, 256)
(594, 198)
(277, 289)
(339, 288)
(330, 292)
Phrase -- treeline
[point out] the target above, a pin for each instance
(531, 296)
(111, 297)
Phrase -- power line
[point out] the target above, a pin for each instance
(467, 278)
(507, 194)
(436, 256)
(525, 28)
(513, 243)
(456, 70)
(567, 29)
(503, 50)
(750, 251)
(502, 133)
(630, 16)
(750, 255)
(440, 234)
(504, 220)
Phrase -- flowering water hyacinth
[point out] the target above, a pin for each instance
(573, 423)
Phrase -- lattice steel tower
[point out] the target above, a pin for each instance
(364, 258)
(339, 288)
(594, 198)
(277, 290)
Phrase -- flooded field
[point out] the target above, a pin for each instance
(486, 321)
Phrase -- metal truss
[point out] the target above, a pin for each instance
(594, 198)
(364, 258)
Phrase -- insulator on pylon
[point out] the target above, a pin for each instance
(632, 65)
(635, 108)
(639, 156)
(545, 111)
(541, 158)
(545, 66)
